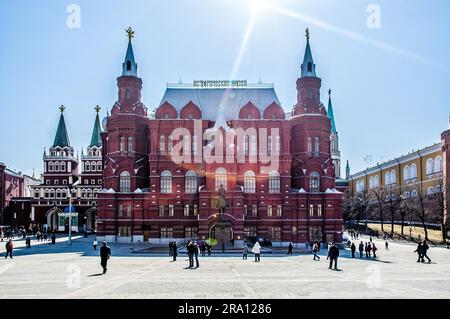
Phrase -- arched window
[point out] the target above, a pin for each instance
(99, 166)
(387, 178)
(221, 178)
(274, 182)
(314, 182)
(166, 182)
(162, 143)
(393, 177)
(406, 173)
(430, 166)
(128, 65)
(50, 166)
(125, 182)
(249, 182)
(56, 167)
(309, 67)
(414, 193)
(438, 164)
(122, 146)
(430, 191)
(413, 171)
(371, 182)
(376, 181)
(190, 182)
(63, 166)
(87, 166)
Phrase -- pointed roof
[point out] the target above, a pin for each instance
(331, 114)
(129, 66)
(96, 139)
(308, 66)
(61, 137)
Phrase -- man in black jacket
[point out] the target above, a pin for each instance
(105, 253)
(190, 250)
(333, 254)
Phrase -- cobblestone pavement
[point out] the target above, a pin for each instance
(63, 271)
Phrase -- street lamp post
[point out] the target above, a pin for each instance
(70, 217)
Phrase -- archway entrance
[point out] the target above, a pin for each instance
(52, 220)
(222, 232)
(91, 220)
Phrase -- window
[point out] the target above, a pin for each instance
(124, 210)
(127, 94)
(277, 144)
(274, 182)
(393, 177)
(430, 191)
(317, 146)
(438, 164)
(161, 210)
(413, 171)
(186, 145)
(170, 144)
(311, 210)
(249, 182)
(319, 210)
(371, 182)
(314, 182)
(279, 210)
(245, 210)
(250, 231)
(87, 166)
(376, 181)
(171, 210)
(130, 145)
(92, 181)
(191, 232)
(274, 233)
(246, 144)
(254, 210)
(161, 144)
(56, 182)
(128, 65)
(309, 67)
(253, 145)
(166, 182)
(269, 210)
(190, 182)
(50, 166)
(122, 146)
(195, 210)
(166, 232)
(387, 178)
(294, 230)
(406, 173)
(269, 145)
(194, 145)
(124, 231)
(125, 182)
(309, 146)
(430, 166)
(63, 166)
(414, 193)
(221, 178)
(315, 233)
(99, 182)
(186, 210)
(37, 194)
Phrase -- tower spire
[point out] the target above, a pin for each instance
(61, 137)
(308, 67)
(129, 67)
(330, 113)
(96, 139)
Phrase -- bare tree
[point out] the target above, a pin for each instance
(438, 202)
(393, 201)
(406, 207)
(420, 203)
(378, 196)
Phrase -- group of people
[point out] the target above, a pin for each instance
(193, 250)
(421, 250)
(369, 248)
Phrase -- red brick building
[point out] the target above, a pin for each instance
(150, 195)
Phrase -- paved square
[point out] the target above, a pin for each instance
(63, 271)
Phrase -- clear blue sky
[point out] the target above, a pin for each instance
(390, 85)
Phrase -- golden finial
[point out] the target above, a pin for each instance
(62, 108)
(307, 33)
(130, 33)
(97, 108)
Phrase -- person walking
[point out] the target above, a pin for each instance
(170, 249)
(386, 245)
(196, 252)
(9, 249)
(94, 244)
(53, 239)
(244, 251)
(290, 249)
(203, 249)
(223, 247)
(369, 250)
(315, 250)
(175, 250)
(419, 251)
(257, 251)
(353, 249)
(333, 254)
(374, 250)
(209, 250)
(190, 251)
(105, 254)
(361, 249)
(425, 248)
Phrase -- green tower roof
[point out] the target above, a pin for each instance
(61, 138)
(96, 139)
(330, 113)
